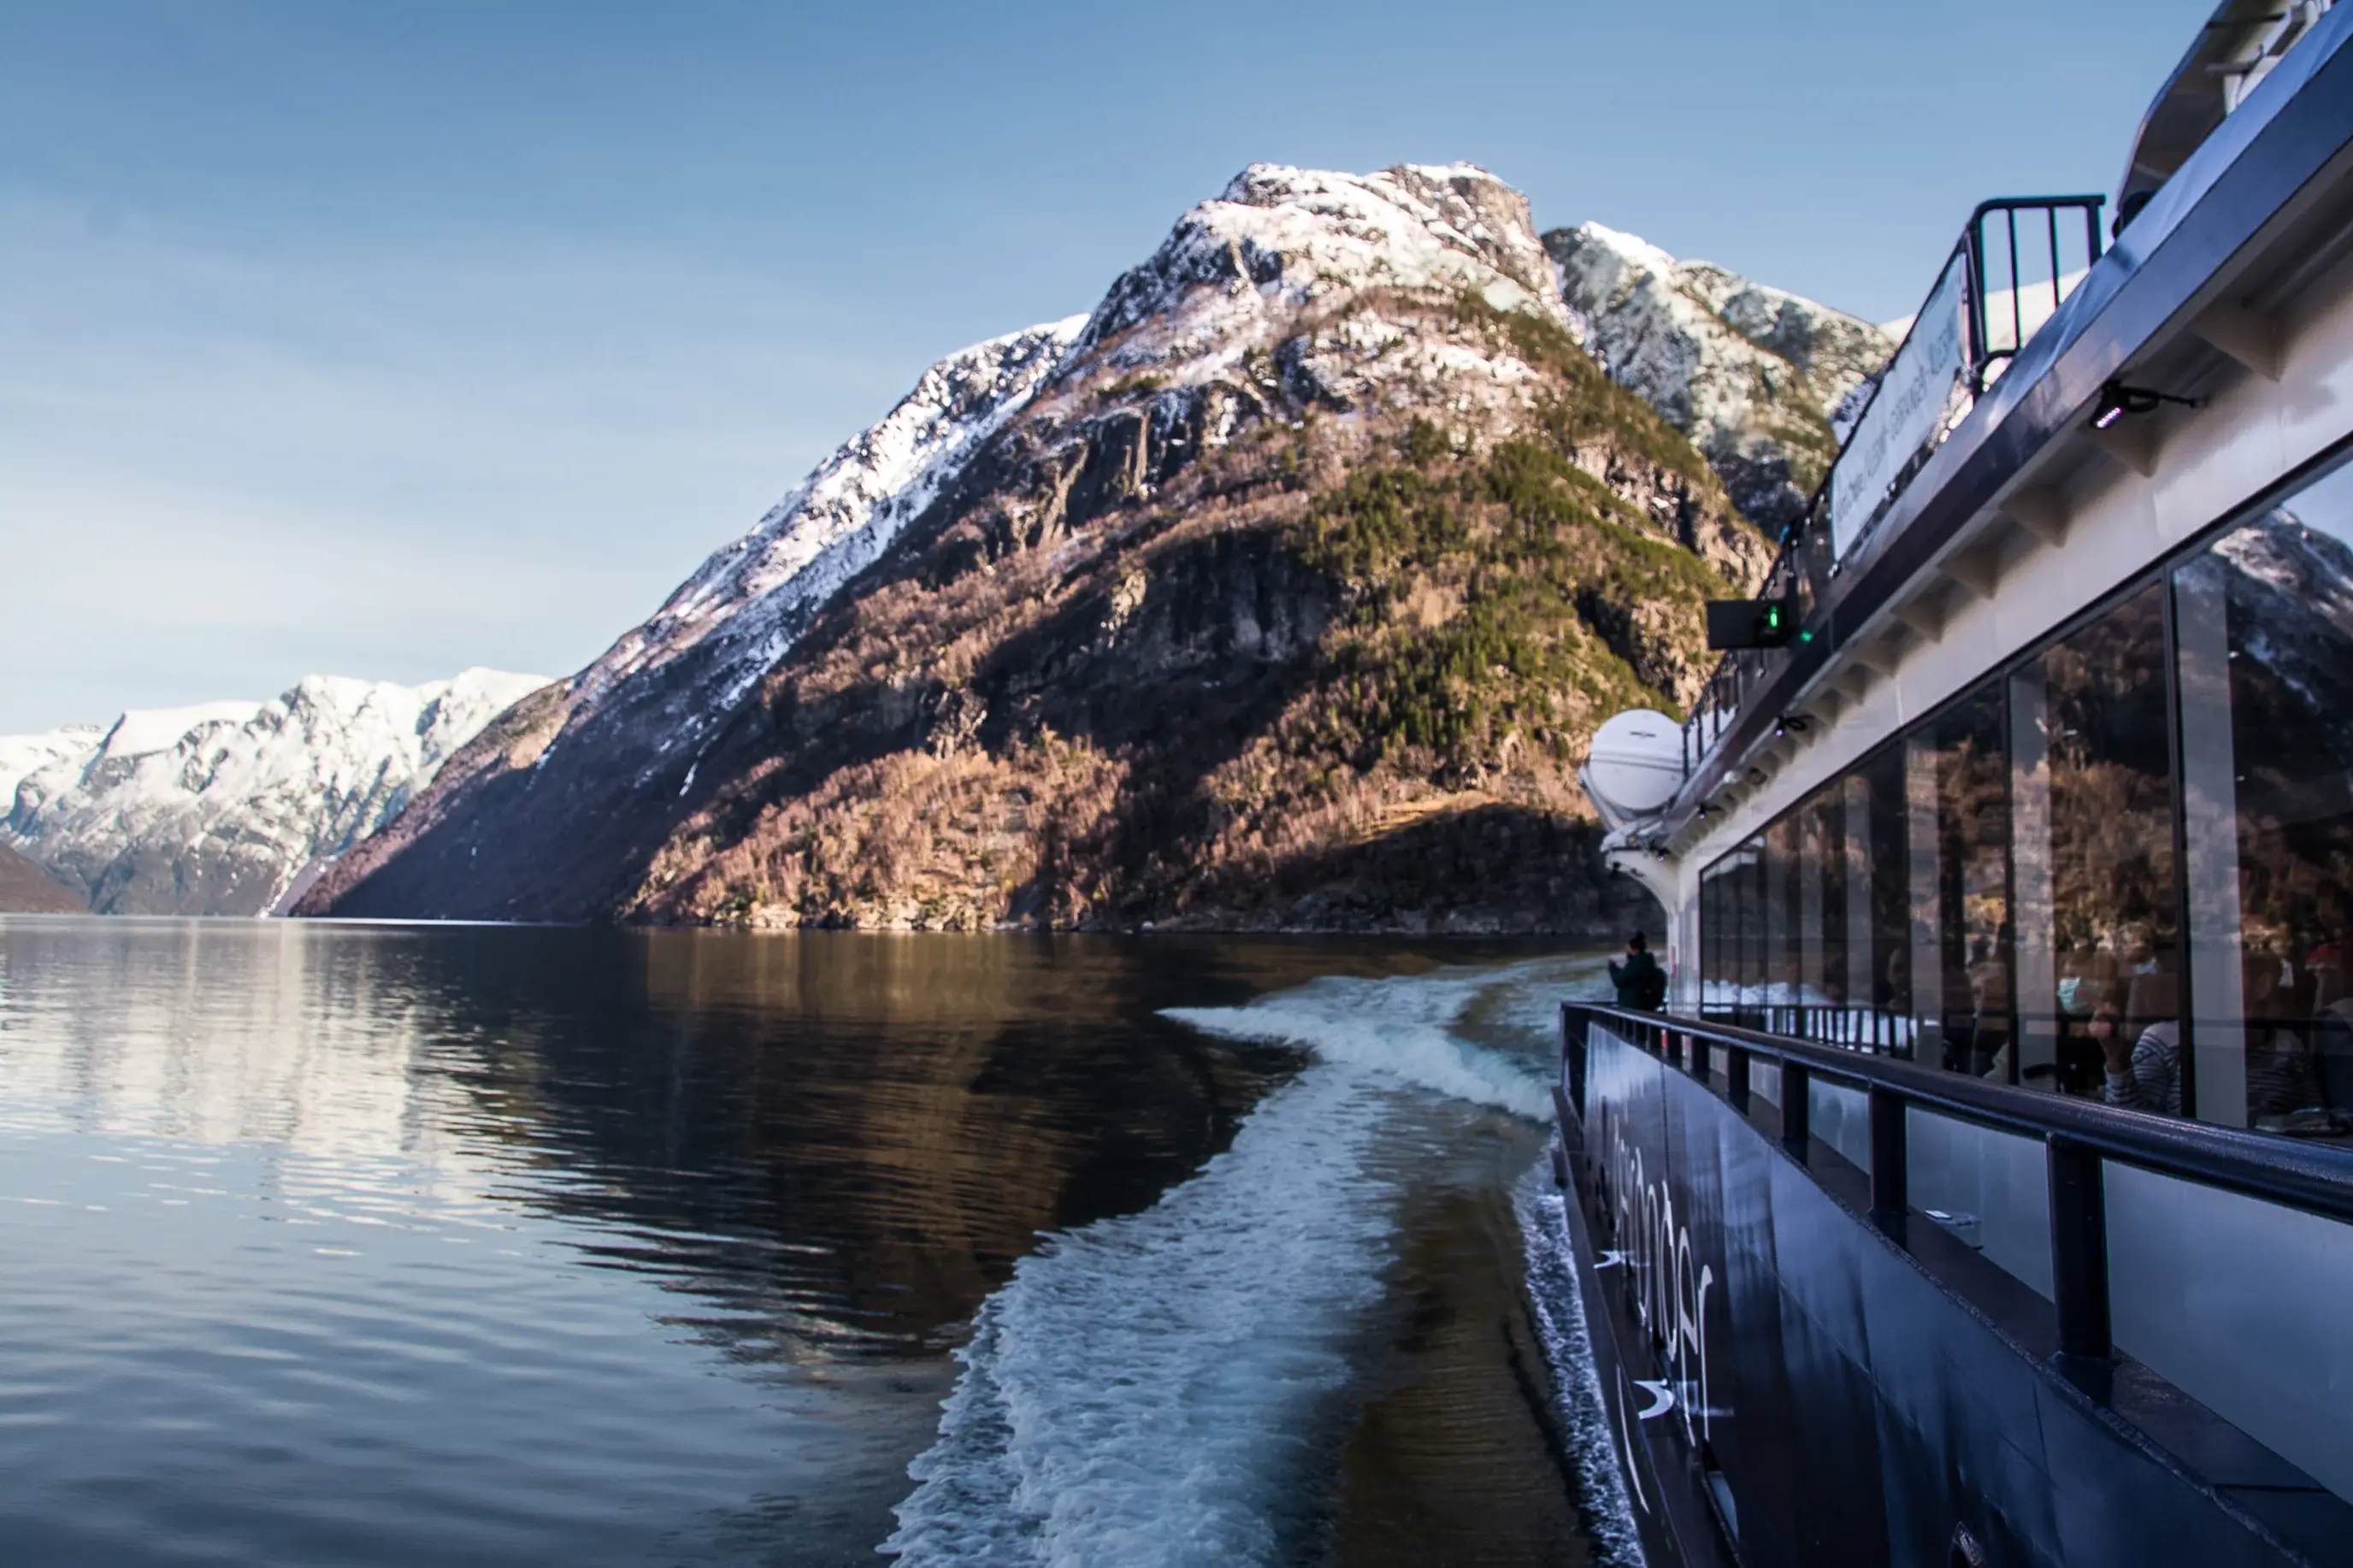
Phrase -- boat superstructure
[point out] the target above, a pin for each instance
(1984, 1194)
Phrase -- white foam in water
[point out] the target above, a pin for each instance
(1558, 1308)
(1157, 1387)
(1403, 1027)
(1146, 1389)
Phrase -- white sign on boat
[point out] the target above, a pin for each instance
(1908, 412)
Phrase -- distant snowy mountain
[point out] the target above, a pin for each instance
(1763, 381)
(219, 809)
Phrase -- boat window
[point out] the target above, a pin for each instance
(1876, 816)
(1781, 914)
(1749, 920)
(1711, 940)
(1821, 913)
(1958, 787)
(2121, 869)
(2098, 933)
(2265, 634)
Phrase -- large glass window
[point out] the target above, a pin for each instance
(2122, 869)
(1876, 814)
(1780, 918)
(1749, 920)
(2265, 622)
(1822, 907)
(1959, 793)
(2098, 932)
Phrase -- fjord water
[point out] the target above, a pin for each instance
(397, 1244)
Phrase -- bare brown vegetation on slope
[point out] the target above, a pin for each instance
(1335, 669)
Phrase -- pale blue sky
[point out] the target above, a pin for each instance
(385, 339)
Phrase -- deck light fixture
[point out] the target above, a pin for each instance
(2117, 400)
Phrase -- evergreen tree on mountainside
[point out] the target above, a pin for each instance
(1287, 590)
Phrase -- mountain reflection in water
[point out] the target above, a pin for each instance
(481, 1245)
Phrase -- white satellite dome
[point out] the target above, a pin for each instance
(1636, 764)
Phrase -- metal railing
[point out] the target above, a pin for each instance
(1875, 1029)
(2009, 291)
(2007, 305)
(2077, 1136)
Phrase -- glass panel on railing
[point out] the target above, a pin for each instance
(2240, 1304)
(1841, 1118)
(1920, 395)
(1988, 1189)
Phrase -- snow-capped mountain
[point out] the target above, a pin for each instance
(744, 605)
(219, 809)
(1762, 381)
(1063, 640)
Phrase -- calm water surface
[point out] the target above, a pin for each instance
(340, 1245)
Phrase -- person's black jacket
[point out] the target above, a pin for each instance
(1641, 981)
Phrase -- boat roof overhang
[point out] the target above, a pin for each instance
(2256, 214)
(2242, 41)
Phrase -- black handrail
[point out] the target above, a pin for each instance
(1984, 350)
(2076, 1137)
(2313, 1178)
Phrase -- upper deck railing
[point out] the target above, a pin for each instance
(2015, 263)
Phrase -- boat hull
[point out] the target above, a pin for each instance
(1791, 1383)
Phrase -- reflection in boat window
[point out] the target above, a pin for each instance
(2099, 938)
(2265, 621)
(2121, 869)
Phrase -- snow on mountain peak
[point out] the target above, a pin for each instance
(1754, 375)
(216, 808)
(143, 729)
(1279, 236)
(758, 589)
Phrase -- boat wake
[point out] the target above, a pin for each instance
(1558, 1308)
(1164, 1386)
(1406, 1029)
(1143, 1389)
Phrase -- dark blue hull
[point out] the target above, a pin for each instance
(1793, 1381)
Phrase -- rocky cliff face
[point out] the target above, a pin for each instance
(1284, 589)
(218, 809)
(1763, 381)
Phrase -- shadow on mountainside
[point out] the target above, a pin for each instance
(1467, 868)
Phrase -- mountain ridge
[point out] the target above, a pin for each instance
(1281, 598)
(1764, 381)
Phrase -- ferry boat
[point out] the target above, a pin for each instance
(1984, 1193)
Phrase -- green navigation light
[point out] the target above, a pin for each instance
(1750, 623)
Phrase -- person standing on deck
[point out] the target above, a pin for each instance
(1639, 981)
